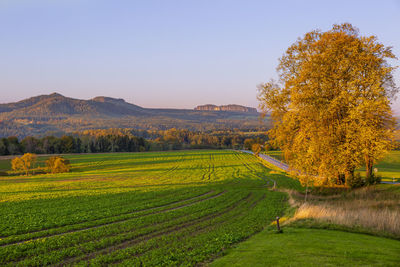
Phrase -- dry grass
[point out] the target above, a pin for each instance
(371, 208)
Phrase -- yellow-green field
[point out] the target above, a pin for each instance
(137, 208)
(144, 209)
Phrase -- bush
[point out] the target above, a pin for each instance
(58, 165)
(355, 181)
(373, 179)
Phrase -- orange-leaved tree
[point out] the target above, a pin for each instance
(24, 163)
(58, 164)
(331, 107)
(256, 148)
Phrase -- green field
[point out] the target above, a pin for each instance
(130, 208)
(151, 209)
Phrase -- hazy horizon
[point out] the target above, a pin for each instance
(166, 55)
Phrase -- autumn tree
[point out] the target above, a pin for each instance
(331, 106)
(58, 164)
(256, 148)
(24, 163)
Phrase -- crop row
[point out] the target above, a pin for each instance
(74, 211)
(79, 243)
(196, 243)
(175, 208)
(108, 220)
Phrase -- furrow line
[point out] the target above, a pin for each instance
(148, 236)
(121, 220)
(115, 234)
(201, 229)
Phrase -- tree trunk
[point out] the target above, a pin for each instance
(348, 174)
(368, 166)
(341, 179)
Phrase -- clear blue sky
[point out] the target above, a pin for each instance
(165, 53)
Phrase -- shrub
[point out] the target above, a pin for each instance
(58, 165)
(373, 179)
(355, 181)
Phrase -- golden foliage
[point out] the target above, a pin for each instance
(58, 164)
(24, 163)
(17, 164)
(256, 148)
(331, 109)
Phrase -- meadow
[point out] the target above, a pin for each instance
(160, 208)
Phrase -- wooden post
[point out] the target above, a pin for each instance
(277, 224)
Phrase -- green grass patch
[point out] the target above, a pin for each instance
(312, 247)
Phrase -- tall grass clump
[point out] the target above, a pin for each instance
(372, 208)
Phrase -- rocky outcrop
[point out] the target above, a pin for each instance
(232, 108)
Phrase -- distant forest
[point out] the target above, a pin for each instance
(127, 140)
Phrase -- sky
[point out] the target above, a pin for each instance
(169, 54)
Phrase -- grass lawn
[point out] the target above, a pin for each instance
(312, 247)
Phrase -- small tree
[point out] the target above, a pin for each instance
(24, 163)
(58, 165)
(256, 148)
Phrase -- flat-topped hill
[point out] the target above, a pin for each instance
(55, 113)
(231, 107)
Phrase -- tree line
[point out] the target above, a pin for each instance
(127, 140)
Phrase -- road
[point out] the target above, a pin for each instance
(271, 160)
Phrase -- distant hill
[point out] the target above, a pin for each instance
(58, 114)
(234, 108)
(56, 105)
